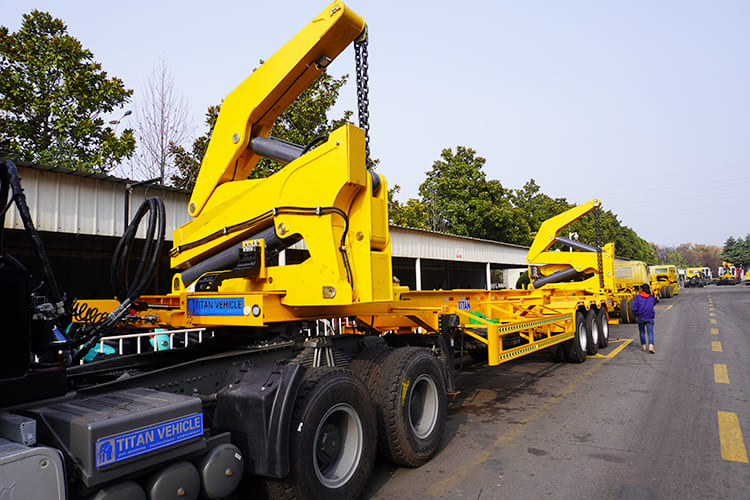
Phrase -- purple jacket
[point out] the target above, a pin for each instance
(643, 306)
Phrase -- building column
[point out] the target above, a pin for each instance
(418, 271)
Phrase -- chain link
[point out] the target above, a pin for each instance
(598, 230)
(363, 100)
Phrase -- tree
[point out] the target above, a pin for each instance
(459, 200)
(737, 251)
(411, 214)
(163, 125)
(536, 206)
(52, 94)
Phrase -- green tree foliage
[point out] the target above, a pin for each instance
(459, 199)
(537, 206)
(410, 214)
(51, 96)
(737, 251)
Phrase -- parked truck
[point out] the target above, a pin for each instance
(242, 379)
(664, 280)
(727, 274)
(629, 277)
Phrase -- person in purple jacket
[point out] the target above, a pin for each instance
(643, 308)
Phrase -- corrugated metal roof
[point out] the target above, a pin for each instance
(71, 201)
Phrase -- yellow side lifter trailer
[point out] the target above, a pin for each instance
(245, 367)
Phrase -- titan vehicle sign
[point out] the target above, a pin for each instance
(119, 447)
(216, 306)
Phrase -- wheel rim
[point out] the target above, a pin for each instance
(338, 445)
(594, 332)
(605, 328)
(423, 406)
(582, 336)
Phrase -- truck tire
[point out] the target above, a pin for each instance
(577, 345)
(411, 406)
(592, 333)
(602, 320)
(368, 363)
(664, 292)
(332, 438)
(631, 314)
(624, 311)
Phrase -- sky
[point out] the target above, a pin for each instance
(644, 105)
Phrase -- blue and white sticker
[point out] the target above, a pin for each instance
(119, 447)
(216, 306)
(464, 305)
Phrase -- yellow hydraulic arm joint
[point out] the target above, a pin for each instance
(559, 266)
(251, 109)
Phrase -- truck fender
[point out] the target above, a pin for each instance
(257, 410)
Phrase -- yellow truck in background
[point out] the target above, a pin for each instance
(728, 274)
(629, 276)
(697, 277)
(664, 280)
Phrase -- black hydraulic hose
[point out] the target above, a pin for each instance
(129, 293)
(10, 177)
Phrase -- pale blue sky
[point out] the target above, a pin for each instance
(643, 104)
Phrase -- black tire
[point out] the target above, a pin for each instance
(592, 333)
(559, 352)
(602, 320)
(670, 291)
(332, 438)
(631, 314)
(624, 311)
(411, 406)
(664, 292)
(577, 345)
(368, 363)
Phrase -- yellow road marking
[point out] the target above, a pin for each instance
(460, 473)
(712, 314)
(714, 331)
(713, 321)
(730, 436)
(720, 374)
(711, 309)
(716, 346)
(616, 350)
(670, 307)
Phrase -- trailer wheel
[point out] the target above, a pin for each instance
(631, 314)
(602, 321)
(624, 311)
(592, 333)
(577, 346)
(332, 441)
(368, 363)
(411, 406)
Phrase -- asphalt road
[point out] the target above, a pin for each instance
(623, 425)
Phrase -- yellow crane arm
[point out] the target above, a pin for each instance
(547, 234)
(251, 109)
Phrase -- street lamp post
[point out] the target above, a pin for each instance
(116, 123)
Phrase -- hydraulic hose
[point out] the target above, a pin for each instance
(9, 178)
(128, 292)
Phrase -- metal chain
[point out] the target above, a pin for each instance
(598, 230)
(363, 101)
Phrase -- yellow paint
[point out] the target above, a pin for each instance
(714, 331)
(730, 436)
(716, 346)
(720, 374)
(404, 390)
(711, 309)
(713, 321)
(711, 314)
(615, 351)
